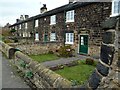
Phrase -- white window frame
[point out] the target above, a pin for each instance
(52, 36)
(20, 26)
(53, 19)
(115, 8)
(29, 34)
(36, 23)
(15, 27)
(23, 34)
(36, 36)
(26, 25)
(69, 38)
(70, 16)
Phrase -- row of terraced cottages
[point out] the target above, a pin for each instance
(76, 24)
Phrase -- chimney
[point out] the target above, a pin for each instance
(21, 17)
(26, 16)
(72, 1)
(17, 20)
(43, 9)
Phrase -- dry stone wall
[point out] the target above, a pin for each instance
(37, 48)
(8, 50)
(39, 75)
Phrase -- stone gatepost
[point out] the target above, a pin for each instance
(112, 60)
(107, 70)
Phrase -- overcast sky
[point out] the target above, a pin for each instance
(10, 10)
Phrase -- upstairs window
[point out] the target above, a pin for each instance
(70, 16)
(36, 23)
(20, 26)
(26, 26)
(53, 19)
(115, 7)
(15, 27)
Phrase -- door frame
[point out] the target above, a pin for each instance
(80, 43)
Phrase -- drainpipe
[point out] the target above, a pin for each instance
(64, 27)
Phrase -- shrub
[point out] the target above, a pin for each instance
(66, 51)
(89, 61)
(50, 52)
(13, 30)
(7, 41)
(15, 40)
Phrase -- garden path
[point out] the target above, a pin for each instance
(63, 61)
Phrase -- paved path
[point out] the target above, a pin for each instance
(63, 61)
(9, 79)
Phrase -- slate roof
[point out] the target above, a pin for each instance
(66, 7)
(110, 23)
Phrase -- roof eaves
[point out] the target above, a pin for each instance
(66, 7)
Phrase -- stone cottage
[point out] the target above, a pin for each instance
(77, 24)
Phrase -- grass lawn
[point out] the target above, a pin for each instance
(77, 74)
(44, 57)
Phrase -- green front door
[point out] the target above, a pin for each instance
(45, 38)
(83, 46)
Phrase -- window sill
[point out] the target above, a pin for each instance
(52, 23)
(52, 40)
(36, 39)
(114, 15)
(69, 21)
(68, 42)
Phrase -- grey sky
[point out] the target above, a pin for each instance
(10, 10)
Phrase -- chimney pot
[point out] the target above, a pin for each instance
(43, 9)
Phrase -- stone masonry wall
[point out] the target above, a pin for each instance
(7, 50)
(113, 78)
(107, 73)
(38, 75)
(37, 48)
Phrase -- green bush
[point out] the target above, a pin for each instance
(66, 51)
(7, 41)
(50, 52)
(89, 61)
(13, 30)
(15, 40)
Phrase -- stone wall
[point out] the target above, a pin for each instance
(7, 50)
(107, 73)
(113, 78)
(37, 48)
(38, 75)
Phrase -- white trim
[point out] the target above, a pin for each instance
(26, 25)
(52, 36)
(79, 43)
(113, 13)
(36, 36)
(36, 23)
(70, 16)
(68, 38)
(52, 19)
(20, 26)
(15, 27)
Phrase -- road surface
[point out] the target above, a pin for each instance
(8, 77)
